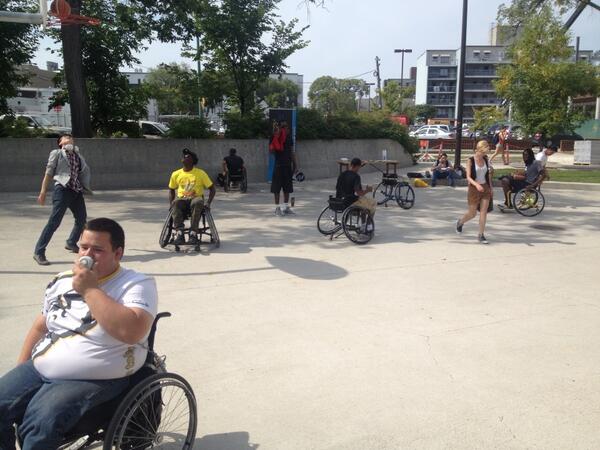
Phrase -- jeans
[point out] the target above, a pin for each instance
(47, 409)
(437, 174)
(63, 198)
(182, 206)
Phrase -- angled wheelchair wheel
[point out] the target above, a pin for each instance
(358, 225)
(328, 222)
(160, 412)
(383, 193)
(405, 195)
(529, 202)
(167, 231)
(214, 234)
(244, 184)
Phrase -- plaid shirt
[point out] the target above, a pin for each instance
(75, 166)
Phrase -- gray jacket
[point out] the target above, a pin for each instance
(58, 168)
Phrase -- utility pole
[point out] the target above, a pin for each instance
(377, 74)
(461, 84)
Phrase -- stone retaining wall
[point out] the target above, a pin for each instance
(147, 163)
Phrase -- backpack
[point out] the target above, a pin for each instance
(496, 138)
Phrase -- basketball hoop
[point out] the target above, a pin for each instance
(62, 11)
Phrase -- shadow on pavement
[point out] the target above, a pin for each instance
(238, 440)
(307, 269)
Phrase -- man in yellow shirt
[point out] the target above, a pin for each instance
(186, 193)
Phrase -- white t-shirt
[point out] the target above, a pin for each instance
(542, 157)
(480, 173)
(76, 347)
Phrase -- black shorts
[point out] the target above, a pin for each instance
(517, 185)
(282, 179)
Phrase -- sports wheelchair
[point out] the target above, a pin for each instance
(529, 201)
(158, 410)
(236, 180)
(337, 218)
(206, 227)
(392, 187)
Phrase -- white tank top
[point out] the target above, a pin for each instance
(480, 173)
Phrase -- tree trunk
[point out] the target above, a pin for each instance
(73, 66)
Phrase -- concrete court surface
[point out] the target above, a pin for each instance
(422, 339)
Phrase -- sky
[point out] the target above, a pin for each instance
(346, 35)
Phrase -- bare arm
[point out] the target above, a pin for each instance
(294, 162)
(36, 332)
(123, 323)
(171, 195)
(211, 195)
(224, 166)
(45, 182)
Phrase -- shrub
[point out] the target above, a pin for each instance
(120, 128)
(251, 126)
(16, 127)
(196, 128)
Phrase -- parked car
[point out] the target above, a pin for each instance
(39, 122)
(433, 132)
(153, 130)
(426, 129)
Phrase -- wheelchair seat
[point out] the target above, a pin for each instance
(337, 204)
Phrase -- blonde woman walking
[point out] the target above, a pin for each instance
(480, 190)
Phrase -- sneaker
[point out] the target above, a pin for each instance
(41, 260)
(370, 228)
(482, 240)
(289, 211)
(278, 211)
(72, 248)
(458, 226)
(179, 239)
(193, 239)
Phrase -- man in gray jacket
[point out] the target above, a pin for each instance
(71, 177)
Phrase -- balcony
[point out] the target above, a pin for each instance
(480, 73)
(438, 89)
(478, 87)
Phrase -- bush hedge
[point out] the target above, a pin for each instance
(196, 128)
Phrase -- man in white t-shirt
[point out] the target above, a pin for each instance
(542, 155)
(90, 337)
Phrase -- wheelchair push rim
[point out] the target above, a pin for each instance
(158, 413)
(529, 202)
(358, 225)
(405, 195)
(327, 222)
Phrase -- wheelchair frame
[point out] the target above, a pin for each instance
(206, 227)
(350, 223)
(529, 201)
(392, 187)
(243, 181)
(114, 422)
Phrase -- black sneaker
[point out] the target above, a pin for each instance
(193, 239)
(458, 226)
(41, 260)
(179, 239)
(72, 248)
(482, 240)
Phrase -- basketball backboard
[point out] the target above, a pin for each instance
(37, 18)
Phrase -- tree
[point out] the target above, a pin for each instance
(244, 40)
(93, 55)
(486, 116)
(18, 43)
(278, 93)
(420, 113)
(539, 81)
(394, 97)
(332, 95)
(175, 88)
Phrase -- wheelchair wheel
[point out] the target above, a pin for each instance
(383, 193)
(167, 231)
(244, 184)
(328, 223)
(226, 184)
(358, 225)
(529, 202)
(214, 235)
(160, 412)
(405, 195)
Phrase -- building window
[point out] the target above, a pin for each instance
(443, 72)
(445, 59)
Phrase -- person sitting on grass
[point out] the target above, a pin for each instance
(520, 179)
(442, 169)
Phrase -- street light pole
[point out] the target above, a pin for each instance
(461, 84)
(403, 51)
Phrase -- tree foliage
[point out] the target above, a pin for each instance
(18, 43)
(331, 95)
(244, 41)
(486, 116)
(540, 80)
(175, 88)
(395, 97)
(278, 93)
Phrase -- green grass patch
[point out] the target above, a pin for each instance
(564, 175)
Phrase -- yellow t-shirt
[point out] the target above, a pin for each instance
(190, 184)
